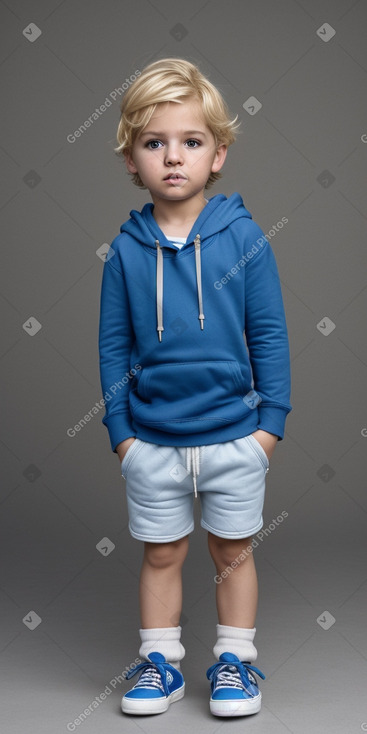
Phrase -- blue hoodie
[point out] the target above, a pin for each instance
(193, 342)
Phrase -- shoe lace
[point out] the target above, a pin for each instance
(153, 676)
(235, 675)
(228, 677)
(150, 678)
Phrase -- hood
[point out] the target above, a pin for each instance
(216, 216)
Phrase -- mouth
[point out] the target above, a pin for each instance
(174, 177)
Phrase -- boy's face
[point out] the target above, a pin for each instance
(175, 153)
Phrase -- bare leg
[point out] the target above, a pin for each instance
(237, 593)
(161, 583)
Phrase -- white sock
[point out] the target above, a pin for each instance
(237, 640)
(165, 640)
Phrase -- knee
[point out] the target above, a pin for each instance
(164, 555)
(225, 551)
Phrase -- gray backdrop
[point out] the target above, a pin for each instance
(70, 568)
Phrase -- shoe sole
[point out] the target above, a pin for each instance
(143, 707)
(230, 707)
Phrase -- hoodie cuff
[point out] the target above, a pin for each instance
(272, 419)
(119, 427)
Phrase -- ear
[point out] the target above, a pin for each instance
(220, 157)
(130, 165)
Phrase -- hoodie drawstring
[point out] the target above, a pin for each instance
(201, 316)
(159, 290)
(159, 295)
(192, 464)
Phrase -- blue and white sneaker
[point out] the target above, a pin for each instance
(159, 685)
(234, 689)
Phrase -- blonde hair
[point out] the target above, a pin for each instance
(172, 80)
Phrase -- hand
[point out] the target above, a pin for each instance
(122, 447)
(267, 440)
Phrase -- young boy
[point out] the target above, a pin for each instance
(192, 409)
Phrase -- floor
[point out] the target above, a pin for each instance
(311, 639)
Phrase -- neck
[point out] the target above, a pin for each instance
(177, 217)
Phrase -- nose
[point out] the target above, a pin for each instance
(173, 155)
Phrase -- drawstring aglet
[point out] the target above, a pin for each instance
(201, 318)
(195, 487)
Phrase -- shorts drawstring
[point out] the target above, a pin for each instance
(192, 464)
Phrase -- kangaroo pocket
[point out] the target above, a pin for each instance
(182, 397)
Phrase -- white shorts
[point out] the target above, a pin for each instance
(163, 481)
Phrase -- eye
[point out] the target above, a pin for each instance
(192, 143)
(153, 144)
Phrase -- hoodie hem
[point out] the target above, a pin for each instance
(203, 438)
